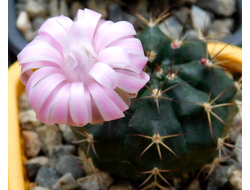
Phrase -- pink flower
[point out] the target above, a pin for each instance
(82, 71)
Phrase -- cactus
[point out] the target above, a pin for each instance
(174, 124)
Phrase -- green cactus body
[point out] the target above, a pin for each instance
(173, 125)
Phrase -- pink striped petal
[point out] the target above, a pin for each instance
(25, 71)
(131, 82)
(39, 75)
(116, 99)
(44, 113)
(56, 30)
(79, 36)
(115, 56)
(139, 63)
(83, 61)
(107, 108)
(88, 20)
(114, 32)
(79, 111)
(65, 22)
(25, 76)
(59, 109)
(40, 92)
(39, 53)
(69, 63)
(132, 45)
(101, 27)
(104, 75)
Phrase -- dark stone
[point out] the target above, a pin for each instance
(31, 170)
(47, 177)
(58, 151)
(68, 163)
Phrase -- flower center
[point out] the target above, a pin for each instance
(78, 63)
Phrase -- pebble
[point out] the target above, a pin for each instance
(50, 136)
(28, 116)
(39, 188)
(33, 165)
(41, 160)
(47, 177)
(58, 151)
(221, 175)
(236, 180)
(201, 19)
(171, 27)
(31, 170)
(182, 15)
(66, 182)
(68, 163)
(100, 180)
(194, 185)
(67, 133)
(32, 143)
(220, 29)
(53, 8)
(23, 22)
(220, 7)
(36, 8)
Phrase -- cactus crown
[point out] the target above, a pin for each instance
(174, 125)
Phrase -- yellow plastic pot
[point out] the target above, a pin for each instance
(231, 55)
(16, 171)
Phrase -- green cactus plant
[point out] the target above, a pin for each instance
(174, 124)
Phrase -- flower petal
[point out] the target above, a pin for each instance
(104, 75)
(44, 113)
(64, 21)
(79, 36)
(83, 61)
(139, 63)
(130, 81)
(110, 34)
(39, 75)
(88, 20)
(116, 99)
(115, 56)
(26, 68)
(40, 92)
(132, 45)
(39, 53)
(79, 111)
(102, 26)
(55, 28)
(107, 108)
(59, 109)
